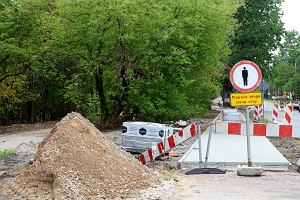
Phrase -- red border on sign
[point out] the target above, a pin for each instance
(242, 63)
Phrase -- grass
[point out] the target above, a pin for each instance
(6, 153)
(264, 121)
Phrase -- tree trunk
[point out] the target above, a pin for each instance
(44, 102)
(30, 102)
(122, 97)
(123, 83)
(29, 111)
(100, 91)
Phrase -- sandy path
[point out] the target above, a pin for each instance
(11, 141)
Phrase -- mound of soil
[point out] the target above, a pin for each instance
(77, 161)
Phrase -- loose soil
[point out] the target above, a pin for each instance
(77, 161)
(289, 148)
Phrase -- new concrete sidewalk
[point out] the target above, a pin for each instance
(228, 151)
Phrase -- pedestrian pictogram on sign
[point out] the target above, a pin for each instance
(245, 76)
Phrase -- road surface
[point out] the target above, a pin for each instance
(229, 186)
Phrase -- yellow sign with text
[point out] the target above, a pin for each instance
(246, 99)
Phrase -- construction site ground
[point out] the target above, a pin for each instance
(229, 186)
(273, 185)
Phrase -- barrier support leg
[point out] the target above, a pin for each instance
(206, 170)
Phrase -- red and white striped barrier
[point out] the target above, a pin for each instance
(257, 129)
(275, 113)
(257, 113)
(171, 142)
(288, 114)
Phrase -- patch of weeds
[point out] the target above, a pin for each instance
(171, 175)
(209, 114)
(264, 121)
(6, 153)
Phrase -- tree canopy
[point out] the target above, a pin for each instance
(259, 34)
(257, 37)
(286, 73)
(114, 60)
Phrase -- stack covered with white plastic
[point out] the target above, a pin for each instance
(139, 136)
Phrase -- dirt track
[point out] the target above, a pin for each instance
(11, 141)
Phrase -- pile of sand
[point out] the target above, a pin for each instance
(77, 161)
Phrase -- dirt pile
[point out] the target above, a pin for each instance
(77, 161)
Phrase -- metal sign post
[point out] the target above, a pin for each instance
(199, 144)
(248, 137)
(245, 99)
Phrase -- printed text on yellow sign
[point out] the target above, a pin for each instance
(246, 99)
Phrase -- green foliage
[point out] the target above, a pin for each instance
(152, 60)
(6, 153)
(160, 59)
(264, 121)
(259, 33)
(286, 73)
(256, 39)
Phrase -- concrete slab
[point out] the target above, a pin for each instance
(228, 151)
(244, 170)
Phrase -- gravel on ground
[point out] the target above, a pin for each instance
(289, 148)
(229, 186)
